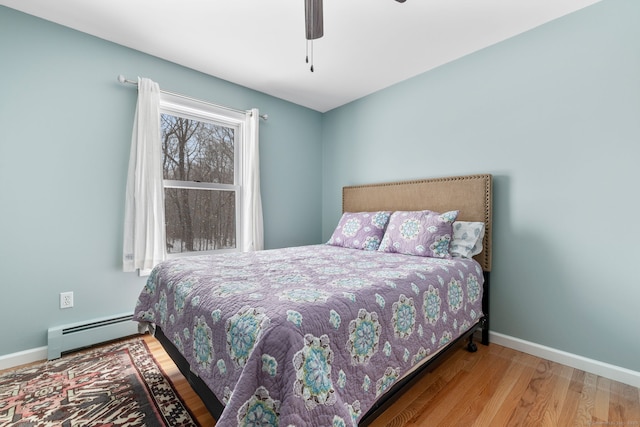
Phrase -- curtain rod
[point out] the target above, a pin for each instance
(122, 79)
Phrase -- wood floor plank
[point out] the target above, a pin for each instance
(601, 400)
(540, 392)
(467, 405)
(531, 396)
(440, 406)
(558, 396)
(617, 403)
(508, 409)
(503, 390)
(480, 388)
(569, 407)
(630, 401)
(584, 414)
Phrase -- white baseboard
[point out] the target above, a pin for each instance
(23, 357)
(602, 369)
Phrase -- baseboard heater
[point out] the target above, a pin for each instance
(74, 336)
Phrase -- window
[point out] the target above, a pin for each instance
(193, 182)
(201, 153)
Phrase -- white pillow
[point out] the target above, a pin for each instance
(467, 239)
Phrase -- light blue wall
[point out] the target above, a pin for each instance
(554, 114)
(65, 132)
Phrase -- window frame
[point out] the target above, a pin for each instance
(193, 109)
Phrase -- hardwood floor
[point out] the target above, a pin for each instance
(495, 386)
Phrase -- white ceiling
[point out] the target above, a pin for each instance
(367, 44)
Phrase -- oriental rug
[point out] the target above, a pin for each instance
(119, 384)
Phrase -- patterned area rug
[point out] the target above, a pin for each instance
(116, 385)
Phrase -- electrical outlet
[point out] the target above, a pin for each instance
(66, 299)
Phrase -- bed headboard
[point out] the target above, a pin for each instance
(471, 195)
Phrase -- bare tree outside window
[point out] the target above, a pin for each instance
(196, 153)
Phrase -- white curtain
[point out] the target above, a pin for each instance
(252, 233)
(144, 226)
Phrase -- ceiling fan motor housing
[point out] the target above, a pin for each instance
(313, 19)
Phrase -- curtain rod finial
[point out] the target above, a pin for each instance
(122, 79)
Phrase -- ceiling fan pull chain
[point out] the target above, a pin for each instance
(311, 42)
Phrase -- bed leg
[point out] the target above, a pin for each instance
(484, 325)
(484, 321)
(471, 346)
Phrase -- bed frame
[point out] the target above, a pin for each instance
(470, 194)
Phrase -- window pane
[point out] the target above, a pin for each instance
(209, 222)
(197, 151)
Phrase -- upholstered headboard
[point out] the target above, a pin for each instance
(471, 195)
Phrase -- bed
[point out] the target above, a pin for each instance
(330, 334)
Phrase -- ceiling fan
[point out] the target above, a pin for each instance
(314, 24)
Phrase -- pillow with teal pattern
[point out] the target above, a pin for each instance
(360, 230)
(467, 239)
(422, 233)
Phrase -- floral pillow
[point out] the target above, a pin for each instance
(467, 239)
(423, 233)
(360, 230)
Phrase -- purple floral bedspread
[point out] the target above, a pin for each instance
(308, 336)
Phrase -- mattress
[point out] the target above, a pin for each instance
(312, 335)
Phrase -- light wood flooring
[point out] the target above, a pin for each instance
(496, 386)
